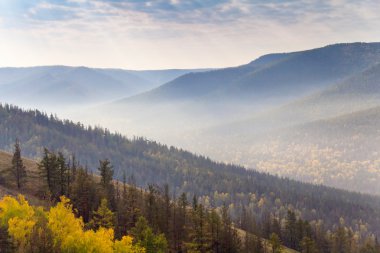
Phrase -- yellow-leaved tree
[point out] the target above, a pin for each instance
(66, 231)
(19, 218)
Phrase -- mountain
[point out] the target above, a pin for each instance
(358, 92)
(329, 137)
(214, 184)
(47, 86)
(271, 76)
(159, 77)
(253, 92)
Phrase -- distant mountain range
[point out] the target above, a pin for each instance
(274, 76)
(62, 85)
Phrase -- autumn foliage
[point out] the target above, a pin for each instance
(57, 230)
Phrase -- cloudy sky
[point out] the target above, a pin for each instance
(138, 34)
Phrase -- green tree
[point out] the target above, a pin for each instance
(63, 174)
(18, 169)
(106, 176)
(275, 243)
(145, 237)
(291, 230)
(308, 245)
(84, 194)
(48, 171)
(340, 241)
(103, 217)
(230, 240)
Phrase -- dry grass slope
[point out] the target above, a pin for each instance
(31, 186)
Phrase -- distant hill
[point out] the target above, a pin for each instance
(271, 76)
(269, 88)
(77, 85)
(358, 92)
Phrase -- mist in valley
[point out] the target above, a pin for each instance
(309, 115)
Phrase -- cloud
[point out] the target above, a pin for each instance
(180, 33)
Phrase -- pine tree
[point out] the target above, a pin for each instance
(167, 210)
(275, 243)
(340, 242)
(308, 245)
(133, 207)
(84, 194)
(291, 230)
(103, 217)
(152, 207)
(180, 227)
(63, 174)
(229, 238)
(48, 171)
(18, 169)
(106, 173)
(215, 226)
(145, 237)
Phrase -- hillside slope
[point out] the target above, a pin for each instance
(31, 192)
(215, 183)
(341, 151)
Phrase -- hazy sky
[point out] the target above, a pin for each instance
(139, 34)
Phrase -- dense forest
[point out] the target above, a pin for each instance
(104, 215)
(268, 206)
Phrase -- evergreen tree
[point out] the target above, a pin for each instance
(291, 230)
(275, 243)
(145, 237)
(63, 174)
(84, 194)
(230, 241)
(133, 207)
(198, 234)
(106, 176)
(308, 245)
(215, 227)
(340, 241)
(18, 169)
(103, 217)
(48, 171)
(180, 227)
(167, 210)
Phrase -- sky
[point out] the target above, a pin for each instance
(161, 34)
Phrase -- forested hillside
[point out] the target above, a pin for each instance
(76, 211)
(264, 197)
(329, 137)
(109, 216)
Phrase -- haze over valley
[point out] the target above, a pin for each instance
(308, 115)
(176, 126)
